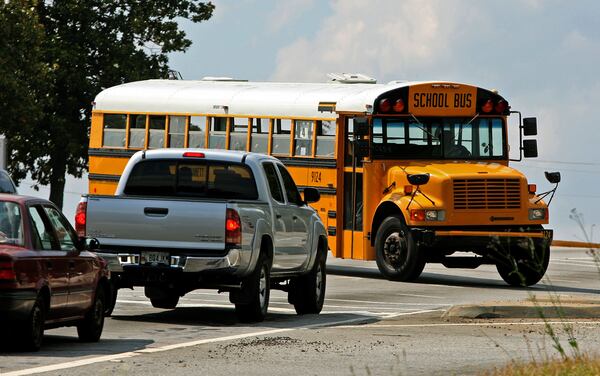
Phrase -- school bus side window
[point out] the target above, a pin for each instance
(325, 138)
(259, 142)
(137, 131)
(238, 134)
(196, 138)
(177, 131)
(218, 133)
(303, 134)
(156, 133)
(114, 130)
(281, 136)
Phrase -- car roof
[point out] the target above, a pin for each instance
(21, 199)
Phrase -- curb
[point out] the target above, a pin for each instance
(565, 307)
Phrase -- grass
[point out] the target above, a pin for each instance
(570, 363)
(578, 366)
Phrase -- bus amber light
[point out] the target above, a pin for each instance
(417, 215)
(385, 105)
(399, 105)
(408, 189)
(488, 106)
(531, 188)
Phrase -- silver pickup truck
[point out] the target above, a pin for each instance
(184, 219)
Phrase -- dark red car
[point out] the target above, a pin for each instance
(48, 277)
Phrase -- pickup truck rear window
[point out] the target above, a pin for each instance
(182, 178)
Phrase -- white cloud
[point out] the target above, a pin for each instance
(287, 11)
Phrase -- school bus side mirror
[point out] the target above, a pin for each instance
(418, 179)
(361, 127)
(530, 126)
(553, 177)
(530, 148)
(360, 149)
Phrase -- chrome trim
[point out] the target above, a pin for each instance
(190, 264)
(198, 264)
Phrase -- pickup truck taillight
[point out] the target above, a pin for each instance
(7, 271)
(80, 218)
(233, 228)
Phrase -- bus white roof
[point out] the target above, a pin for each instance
(240, 98)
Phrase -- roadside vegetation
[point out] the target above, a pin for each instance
(571, 361)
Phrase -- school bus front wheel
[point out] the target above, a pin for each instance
(397, 255)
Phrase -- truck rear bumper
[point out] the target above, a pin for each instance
(187, 264)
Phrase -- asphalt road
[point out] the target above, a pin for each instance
(368, 326)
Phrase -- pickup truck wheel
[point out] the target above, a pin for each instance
(524, 266)
(90, 328)
(256, 290)
(398, 257)
(307, 292)
(169, 302)
(30, 337)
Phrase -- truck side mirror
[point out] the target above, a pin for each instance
(530, 148)
(311, 195)
(530, 126)
(361, 127)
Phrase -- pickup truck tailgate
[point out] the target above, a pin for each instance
(167, 223)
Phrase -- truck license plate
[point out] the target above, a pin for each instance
(156, 258)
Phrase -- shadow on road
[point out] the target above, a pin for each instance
(453, 280)
(213, 318)
(70, 347)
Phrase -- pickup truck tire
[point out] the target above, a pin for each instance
(524, 267)
(397, 255)
(307, 292)
(170, 302)
(30, 334)
(90, 328)
(255, 293)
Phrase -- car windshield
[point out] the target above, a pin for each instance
(11, 225)
(438, 138)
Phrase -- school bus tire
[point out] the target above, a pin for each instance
(524, 267)
(397, 255)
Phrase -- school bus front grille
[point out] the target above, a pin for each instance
(487, 194)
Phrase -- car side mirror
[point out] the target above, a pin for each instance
(553, 177)
(89, 244)
(311, 195)
(418, 179)
(530, 148)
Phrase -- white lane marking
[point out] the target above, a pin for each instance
(578, 263)
(371, 326)
(376, 302)
(129, 354)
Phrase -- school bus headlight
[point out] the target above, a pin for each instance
(537, 214)
(421, 215)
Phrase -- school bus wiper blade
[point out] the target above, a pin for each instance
(421, 126)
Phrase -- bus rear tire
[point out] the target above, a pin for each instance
(397, 255)
(524, 266)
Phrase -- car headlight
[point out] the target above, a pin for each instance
(537, 214)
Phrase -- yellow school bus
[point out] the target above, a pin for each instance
(409, 172)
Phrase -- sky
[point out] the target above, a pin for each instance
(542, 56)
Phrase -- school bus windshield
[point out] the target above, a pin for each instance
(438, 138)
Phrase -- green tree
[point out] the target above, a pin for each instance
(23, 82)
(90, 45)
